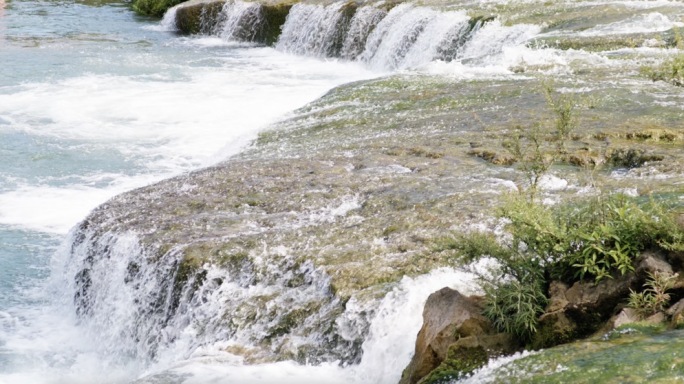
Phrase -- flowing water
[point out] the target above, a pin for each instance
(95, 101)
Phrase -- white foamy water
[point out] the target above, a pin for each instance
(159, 124)
(312, 30)
(643, 23)
(387, 350)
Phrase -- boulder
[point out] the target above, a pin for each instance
(579, 310)
(195, 16)
(454, 330)
(652, 262)
(656, 318)
(590, 299)
(626, 316)
(468, 354)
(676, 313)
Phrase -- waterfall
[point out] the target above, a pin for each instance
(315, 30)
(404, 37)
(411, 36)
(157, 307)
(239, 21)
(144, 308)
(362, 24)
(492, 40)
(168, 22)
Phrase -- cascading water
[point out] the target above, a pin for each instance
(405, 37)
(362, 24)
(120, 303)
(239, 21)
(315, 30)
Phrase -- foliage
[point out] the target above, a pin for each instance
(527, 150)
(526, 146)
(563, 106)
(514, 306)
(655, 297)
(155, 8)
(671, 71)
(595, 238)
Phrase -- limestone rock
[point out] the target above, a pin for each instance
(591, 299)
(676, 313)
(261, 26)
(652, 262)
(656, 318)
(447, 316)
(626, 316)
(191, 14)
(557, 300)
(554, 328)
(579, 310)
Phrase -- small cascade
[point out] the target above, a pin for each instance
(157, 307)
(168, 22)
(122, 301)
(402, 38)
(411, 36)
(362, 24)
(316, 30)
(492, 40)
(443, 34)
(239, 21)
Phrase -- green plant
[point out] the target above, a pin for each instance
(677, 38)
(671, 71)
(563, 105)
(655, 297)
(526, 147)
(514, 306)
(594, 238)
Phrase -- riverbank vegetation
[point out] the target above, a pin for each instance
(586, 239)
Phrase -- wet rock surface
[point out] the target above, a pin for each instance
(455, 339)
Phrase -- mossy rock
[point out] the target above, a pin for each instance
(631, 355)
(273, 18)
(196, 16)
(155, 8)
(631, 157)
(554, 329)
(492, 156)
(202, 16)
(460, 362)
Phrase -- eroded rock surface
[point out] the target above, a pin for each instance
(454, 340)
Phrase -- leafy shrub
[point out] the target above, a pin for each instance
(563, 105)
(514, 306)
(594, 239)
(655, 297)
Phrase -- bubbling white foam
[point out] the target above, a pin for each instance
(386, 350)
(162, 125)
